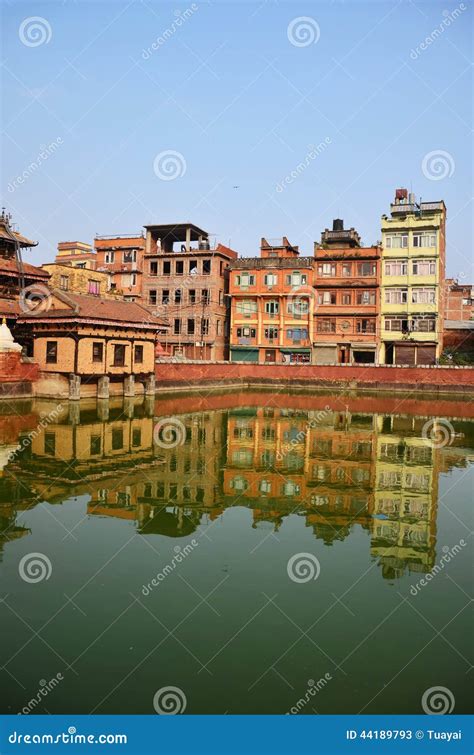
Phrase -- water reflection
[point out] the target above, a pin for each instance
(340, 470)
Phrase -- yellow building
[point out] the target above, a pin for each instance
(76, 254)
(79, 280)
(412, 283)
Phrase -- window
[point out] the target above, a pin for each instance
(396, 267)
(97, 352)
(265, 486)
(396, 324)
(153, 268)
(177, 327)
(423, 295)
(297, 307)
(109, 257)
(297, 334)
(117, 439)
(396, 241)
(326, 326)
(193, 267)
(326, 297)
(424, 239)
(204, 327)
(365, 326)
(270, 279)
(327, 269)
(271, 333)
(396, 296)
(218, 327)
(191, 326)
(206, 267)
(119, 355)
(93, 287)
(272, 307)
(192, 296)
(365, 268)
(95, 445)
(64, 282)
(51, 352)
(246, 332)
(136, 437)
(221, 297)
(245, 280)
(130, 255)
(165, 296)
(424, 325)
(296, 279)
(152, 296)
(346, 299)
(50, 443)
(138, 354)
(246, 307)
(346, 269)
(205, 298)
(424, 267)
(166, 267)
(365, 297)
(177, 296)
(179, 267)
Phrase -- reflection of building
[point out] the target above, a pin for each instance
(413, 264)
(272, 305)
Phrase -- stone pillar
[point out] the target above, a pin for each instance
(128, 406)
(129, 385)
(74, 387)
(74, 414)
(149, 405)
(150, 385)
(103, 409)
(103, 387)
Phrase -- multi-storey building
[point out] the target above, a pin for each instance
(122, 258)
(412, 281)
(272, 305)
(76, 254)
(347, 278)
(78, 279)
(185, 279)
(459, 300)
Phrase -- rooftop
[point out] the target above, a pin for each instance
(177, 231)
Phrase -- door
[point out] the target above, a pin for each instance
(270, 355)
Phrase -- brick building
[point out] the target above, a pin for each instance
(459, 300)
(185, 280)
(122, 258)
(76, 254)
(78, 279)
(347, 279)
(272, 305)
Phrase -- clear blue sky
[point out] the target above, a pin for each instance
(242, 105)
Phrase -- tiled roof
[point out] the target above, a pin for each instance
(10, 235)
(10, 267)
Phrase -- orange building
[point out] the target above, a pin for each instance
(272, 305)
(122, 258)
(347, 283)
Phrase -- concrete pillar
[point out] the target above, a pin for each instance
(74, 387)
(103, 409)
(103, 387)
(150, 384)
(149, 405)
(188, 239)
(74, 413)
(129, 385)
(128, 406)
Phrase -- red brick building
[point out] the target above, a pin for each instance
(123, 258)
(347, 281)
(459, 300)
(185, 280)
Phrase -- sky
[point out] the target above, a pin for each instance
(249, 119)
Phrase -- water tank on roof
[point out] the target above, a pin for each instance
(337, 224)
(204, 245)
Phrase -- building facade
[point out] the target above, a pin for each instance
(412, 281)
(78, 279)
(459, 300)
(186, 280)
(121, 257)
(347, 281)
(272, 305)
(76, 254)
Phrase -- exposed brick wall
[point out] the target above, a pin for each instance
(14, 370)
(460, 379)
